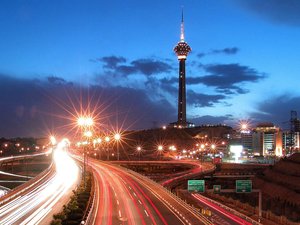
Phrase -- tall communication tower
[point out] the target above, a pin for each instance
(182, 49)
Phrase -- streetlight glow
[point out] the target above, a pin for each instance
(244, 126)
(89, 121)
(81, 121)
(117, 136)
(88, 134)
(53, 140)
(160, 148)
(85, 121)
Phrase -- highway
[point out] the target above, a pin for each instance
(189, 174)
(13, 158)
(37, 204)
(125, 197)
(219, 214)
(172, 179)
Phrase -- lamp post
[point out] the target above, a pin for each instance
(139, 149)
(202, 146)
(160, 148)
(107, 139)
(88, 134)
(213, 147)
(85, 123)
(118, 138)
(98, 142)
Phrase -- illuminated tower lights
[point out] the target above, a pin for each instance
(182, 49)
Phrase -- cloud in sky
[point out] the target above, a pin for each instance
(57, 80)
(277, 109)
(226, 78)
(203, 100)
(226, 119)
(277, 11)
(150, 66)
(226, 51)
(111, 62)
(146, 66)
(35, 107)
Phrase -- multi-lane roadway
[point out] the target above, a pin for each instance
(220, 215)
(125, 197)
(121, 197)
(37, 202)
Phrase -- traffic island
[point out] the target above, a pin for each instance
(79, 205)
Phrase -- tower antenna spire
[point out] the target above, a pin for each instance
(182, 27)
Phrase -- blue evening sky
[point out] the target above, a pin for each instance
(244, 62)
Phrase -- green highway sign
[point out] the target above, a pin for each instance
(196, 185)
(243, 186)
(217, 189)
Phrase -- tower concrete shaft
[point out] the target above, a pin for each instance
(181, 94)
(182, 49)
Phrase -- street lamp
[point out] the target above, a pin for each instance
(160, 148)
(202, 146)
(96, 143)
(85, 121)
(244, 126)
(213, 147)
(85, 124)
(139, 149)
(88, 134)
(107, 139)
(118, 138)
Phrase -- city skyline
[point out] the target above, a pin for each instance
(244, 63)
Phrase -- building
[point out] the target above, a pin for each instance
(291, 137)
(247, 140)
(182, 49)
(290, 141)
(267, 140)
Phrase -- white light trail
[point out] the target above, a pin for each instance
(35, 205)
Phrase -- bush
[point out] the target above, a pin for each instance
(73, 212)
(56, 222)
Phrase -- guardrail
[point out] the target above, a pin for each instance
(20, 157)
(232, 211)
(90, 211)
(87, 218)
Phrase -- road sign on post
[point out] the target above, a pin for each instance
(217, 189)
(196, 185)
(243, 186)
